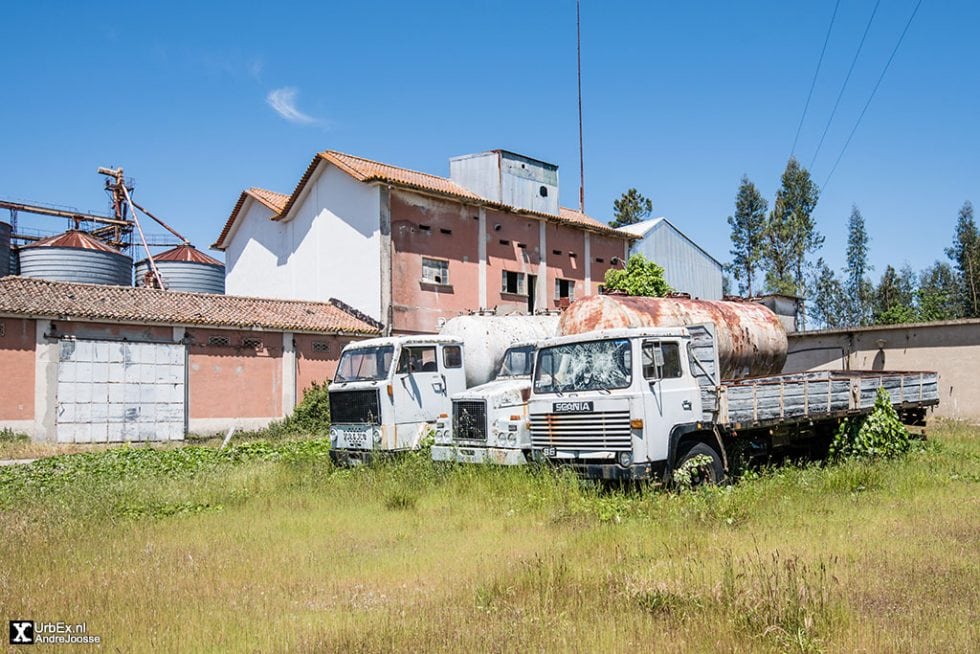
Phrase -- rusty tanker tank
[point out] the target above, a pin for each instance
(750, 338)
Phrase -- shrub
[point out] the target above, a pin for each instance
(640, 277)
(880, 434)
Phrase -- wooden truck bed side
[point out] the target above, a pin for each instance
(775, 400)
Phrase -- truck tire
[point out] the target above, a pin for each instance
(707, 474)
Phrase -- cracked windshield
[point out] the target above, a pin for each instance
(591, 366)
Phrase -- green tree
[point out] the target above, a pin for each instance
(857, 285)
(631, 207)
(791, 232)
(894, 299)
(639, 277)
(938, 293)
(748, 231)
(965, 254)
(829, 302)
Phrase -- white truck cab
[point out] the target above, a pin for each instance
(606, 402)
(488, 423)
(388, 392)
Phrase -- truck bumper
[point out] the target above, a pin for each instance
(351, 458)
(609, 471)
(465, 454)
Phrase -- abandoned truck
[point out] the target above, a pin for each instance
(488, 423)
(636, 402)
(388, 393)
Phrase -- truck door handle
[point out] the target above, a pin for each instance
(686, 405)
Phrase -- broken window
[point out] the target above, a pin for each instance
(661, 360)
(565, 288)
(364, 364)
(587, 366)
(514, 283)
(435, 271)
(418, 359)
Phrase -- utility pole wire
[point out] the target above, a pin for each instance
(814, 82)
(850, 70)
(873, 91)
(581, 149)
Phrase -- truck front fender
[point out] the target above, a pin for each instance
(706, 432)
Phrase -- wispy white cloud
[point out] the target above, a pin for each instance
(284, 102)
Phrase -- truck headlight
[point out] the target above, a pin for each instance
(625, 459)
(376, 433)
(334, 433)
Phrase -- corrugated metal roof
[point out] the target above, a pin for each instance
(74, 239)
(40, 298)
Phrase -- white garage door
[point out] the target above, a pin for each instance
(112, 391)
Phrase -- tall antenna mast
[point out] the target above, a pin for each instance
(581, 151)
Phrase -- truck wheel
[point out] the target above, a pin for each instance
(708, 473)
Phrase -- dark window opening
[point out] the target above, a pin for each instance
(556, 251)
(513, 283)
(572, 255)
(424, 228)
(565, 288)
(600, 260)
(522, 246)
(543, 191)
(452, 356)
(445, 231)
(503, 242)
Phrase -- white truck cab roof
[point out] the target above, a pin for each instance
(624, 332)
(410, 339)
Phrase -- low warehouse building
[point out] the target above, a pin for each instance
(96, 363)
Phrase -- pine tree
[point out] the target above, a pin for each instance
(856, 283)
(965, 254)
(631, 207)
(830, 306)
(937, 296)
(791, 232)
(894, 300)
(748, 228)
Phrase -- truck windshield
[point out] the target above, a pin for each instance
(364, 364)
(518, 362)
(589, 366)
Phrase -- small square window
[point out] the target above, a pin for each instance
(3, 329)
(252, 343)
(504, 242)
(565, 288)
(424, 228)
(600, 260)
(435, 271)
(445, 231)
(452, 356)
(320, 346)
(513, 283)
(219, 341)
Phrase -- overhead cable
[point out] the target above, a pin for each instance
(814, 82)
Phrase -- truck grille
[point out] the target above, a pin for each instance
(608, 430)
(355, 407)
(470, 421)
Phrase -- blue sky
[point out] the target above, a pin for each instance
(681, 100)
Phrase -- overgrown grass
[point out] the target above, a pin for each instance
(269, 548)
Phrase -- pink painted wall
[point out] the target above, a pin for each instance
(605, 248)
(17, 365)
(418, 306)
(316, 366)
(516, 231)
(234, 381)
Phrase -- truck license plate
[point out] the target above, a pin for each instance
(572, 407)
(550, 452)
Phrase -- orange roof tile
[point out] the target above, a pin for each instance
(366, 170)
(273, 201)
(23, 296)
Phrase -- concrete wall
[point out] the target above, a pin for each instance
(952, 349)
(17, 363)
(328, 246)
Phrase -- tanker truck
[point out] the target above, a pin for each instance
(388, 393)
(636, 387)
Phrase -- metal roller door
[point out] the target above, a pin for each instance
(113, 391)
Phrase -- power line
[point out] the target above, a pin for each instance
(873, 91)
(814, 82)
(581, 149)
(850, 70)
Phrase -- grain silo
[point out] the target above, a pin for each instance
(6, 255)
(185, 268)
(76, 256)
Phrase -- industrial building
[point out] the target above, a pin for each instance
(411, 249)
(687, 267)
(91, 363)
